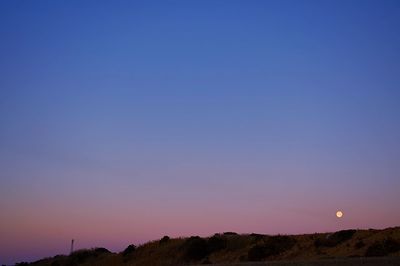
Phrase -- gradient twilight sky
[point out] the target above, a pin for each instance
(123, 121)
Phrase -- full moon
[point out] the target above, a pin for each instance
(339, 214)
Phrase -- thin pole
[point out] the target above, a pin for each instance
(72, 246)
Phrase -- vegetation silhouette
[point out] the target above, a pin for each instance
(226, 248)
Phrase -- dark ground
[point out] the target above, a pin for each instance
(381, 261)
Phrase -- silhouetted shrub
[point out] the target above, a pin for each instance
(257, 237)
(275, 245)
(216, 243)
(53, 261)
(382, 248)
(81, 256)
(164, 240)
(391, 245)
(335, 239)
(376, 250)
(236, 242)
(101, 250)
(256, 253)
(230, 234)
(343, 235)
(195, 248)
(21, 263)
(319, 242)
(359, 244)
(129, 249)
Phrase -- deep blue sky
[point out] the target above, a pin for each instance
(224, 106)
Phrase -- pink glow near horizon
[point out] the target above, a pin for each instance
(47, 232)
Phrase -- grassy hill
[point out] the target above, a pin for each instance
(230, 248)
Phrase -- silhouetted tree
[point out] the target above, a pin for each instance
(129, 249)
(164, 240)
(195, 248)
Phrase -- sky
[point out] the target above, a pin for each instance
(123, 121)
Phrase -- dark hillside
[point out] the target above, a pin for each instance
(346, 247)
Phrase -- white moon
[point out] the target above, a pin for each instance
(339, 214)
